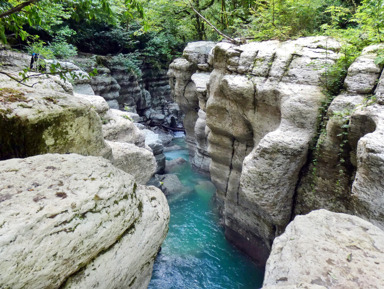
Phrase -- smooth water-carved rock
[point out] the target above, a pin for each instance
(119, 127)
(330, 250)
(138, 162)
(45, 120)
(261, 107)
(69, 221)
(189, 79)
(346, 174)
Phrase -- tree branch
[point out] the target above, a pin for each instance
(17, 8)
(22, 81)
(210, 24)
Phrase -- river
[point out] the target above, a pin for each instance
(195, 254)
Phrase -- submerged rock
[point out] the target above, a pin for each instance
(76, 222)
(170, 184)
(174, 165)
(327, 250)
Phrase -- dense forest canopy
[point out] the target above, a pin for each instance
(157, 30)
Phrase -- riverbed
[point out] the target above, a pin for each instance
(195, 254)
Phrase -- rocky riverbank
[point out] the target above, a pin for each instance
(252, 114)
(74, 212)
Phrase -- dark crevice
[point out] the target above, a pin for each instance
(270, 64)
(286, 67)
(253, 64)
(230, 167)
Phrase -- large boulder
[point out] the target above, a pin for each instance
(46, 119)
(118, 126)
(139, 162)
(327, 250)
(69, 221)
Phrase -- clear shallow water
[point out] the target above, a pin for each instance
(195, 254)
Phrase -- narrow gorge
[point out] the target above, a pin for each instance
(88, 171)
(252, 118)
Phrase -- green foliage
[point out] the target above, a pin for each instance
(61, 49)
(130, 62)
(40, 48)
(370, 17)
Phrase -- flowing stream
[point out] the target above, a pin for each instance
(195, 254)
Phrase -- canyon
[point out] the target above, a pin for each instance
(253, 116)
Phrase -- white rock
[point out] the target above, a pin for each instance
(37, 121)
(119, 127)
(139, 162)
(327, 249)
(69, 219)
(97, 102)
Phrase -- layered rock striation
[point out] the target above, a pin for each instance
(252, 116)
(147, 94)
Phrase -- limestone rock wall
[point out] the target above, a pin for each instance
(261, 106)
(189, 77)
(66, 220)
(148, 95)
(253, 110)
(345, 176)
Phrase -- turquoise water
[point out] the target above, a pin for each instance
(195, 254)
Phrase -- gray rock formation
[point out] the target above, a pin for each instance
(153, 141)
(346, 176)
(47, 119)
(261, 106)
(138, 162)
(80, 222)
(119, 127)
(148, 95)
(89, 226)
(189, 78)
(170, 184)
(327, 250)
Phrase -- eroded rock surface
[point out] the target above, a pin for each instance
(76, 222)
(260, 105)
(346, 176)
(327, 250)
(138, 162)
(47, 119)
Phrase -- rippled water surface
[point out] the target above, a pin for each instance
(195, 253)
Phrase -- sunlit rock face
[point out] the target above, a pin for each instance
(47, 119)
(254, 113)
(70, 221)
(347, 175)
(260, 108)
(327, 250)
(189, 78)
